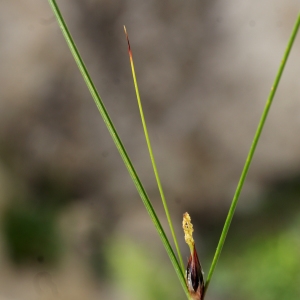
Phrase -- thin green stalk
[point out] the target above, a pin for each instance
(162, 195)
(251, 152)
(118, 143)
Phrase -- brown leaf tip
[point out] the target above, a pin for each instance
(129, 49)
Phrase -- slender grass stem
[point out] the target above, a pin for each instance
(118, 143)
(251, 152)
(162, 195)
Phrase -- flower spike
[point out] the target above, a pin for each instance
(194, 272)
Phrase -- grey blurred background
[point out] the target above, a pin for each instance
(72, 224)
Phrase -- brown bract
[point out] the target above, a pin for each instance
(194, 276)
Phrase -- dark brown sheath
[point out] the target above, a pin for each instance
(194, 277)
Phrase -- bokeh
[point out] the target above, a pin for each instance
(72, 224)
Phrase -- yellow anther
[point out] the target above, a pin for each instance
(188, 230)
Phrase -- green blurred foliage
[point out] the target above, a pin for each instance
(261, 258)
(29, 222)
(264, 267)
(31, 235)
(140, 273)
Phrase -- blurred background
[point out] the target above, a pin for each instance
(72, 224)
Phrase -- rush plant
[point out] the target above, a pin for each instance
(193, 272)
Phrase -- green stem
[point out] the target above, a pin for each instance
(118, 143)
(251, 153)
(162, 195)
